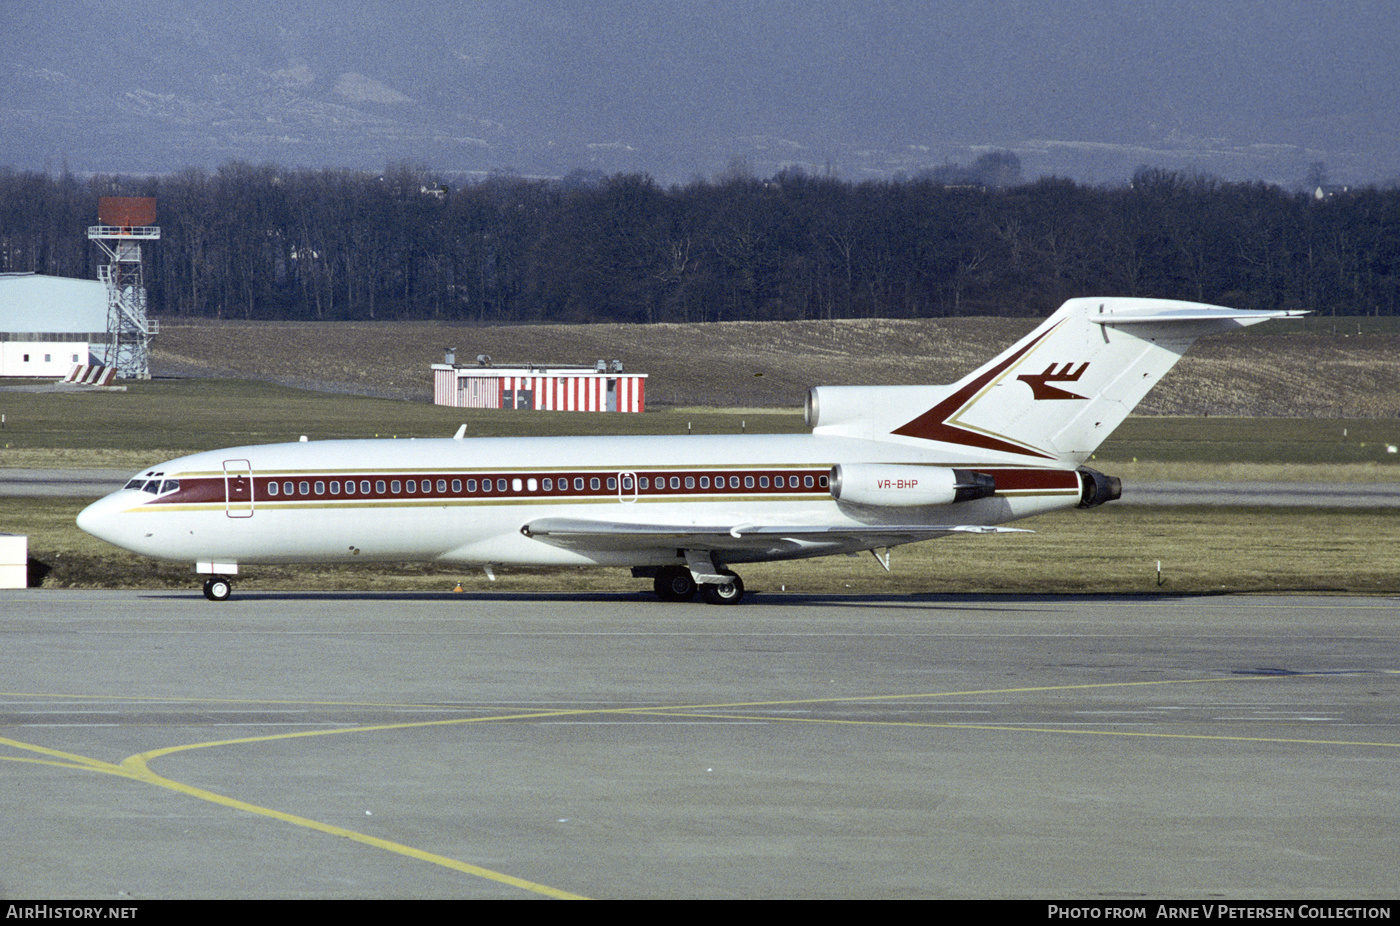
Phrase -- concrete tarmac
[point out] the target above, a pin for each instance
(21, 482)
(1268, 494)
(308, 745)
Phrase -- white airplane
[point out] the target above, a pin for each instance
(883, 466)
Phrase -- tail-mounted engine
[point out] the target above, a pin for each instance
(1095, 488)
(894, 486)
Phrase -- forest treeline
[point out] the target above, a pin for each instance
(250, 241)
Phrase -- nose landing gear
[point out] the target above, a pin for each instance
(217, 588)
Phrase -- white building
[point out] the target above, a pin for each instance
(602, 388)
(47, 324)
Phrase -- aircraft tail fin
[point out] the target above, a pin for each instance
(1053, 396)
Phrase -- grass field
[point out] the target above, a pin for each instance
(1204, 442)
(160, 419)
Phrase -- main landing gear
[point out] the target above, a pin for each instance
(217, 588)
(675, 583)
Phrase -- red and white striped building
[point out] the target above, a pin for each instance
(539, 388)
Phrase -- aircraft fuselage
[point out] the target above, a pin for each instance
(466, 501)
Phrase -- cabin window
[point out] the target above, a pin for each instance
(532, 484)
(364, 486)
(396, 487)
(578, 483)
(320, 487)
(807, 481)
(778, 482)
(272, 488)
(612, 483)
(305, 488)
(516, 485)
(457, 486)
(704, 482)
(379, 486)
(627, 483)
(471, 485)
(675, 482)
(335, 486)
(763, 482)
(442, 486)
(594, 484)
(821, 480)
(289, 488)
(501, 486)
(548, 484)
(690, 482)
(733, 482)
(748, 482)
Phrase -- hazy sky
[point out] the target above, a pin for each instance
(1244, 88)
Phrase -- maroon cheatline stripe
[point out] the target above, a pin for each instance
(563, 485)
(1014, 480)
(690, 484)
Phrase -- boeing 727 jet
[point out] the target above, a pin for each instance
(882, 466)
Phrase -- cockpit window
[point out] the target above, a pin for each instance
(136, 483)
(152, 486)
(169, 485)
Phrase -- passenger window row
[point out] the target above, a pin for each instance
(518, 485)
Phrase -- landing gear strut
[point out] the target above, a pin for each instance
(217, 588)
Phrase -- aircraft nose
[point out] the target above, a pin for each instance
(101, 519)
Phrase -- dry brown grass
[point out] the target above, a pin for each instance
(1306, 373)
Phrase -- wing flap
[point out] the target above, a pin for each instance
(577, 531)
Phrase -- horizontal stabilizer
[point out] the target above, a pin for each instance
(1203, 315)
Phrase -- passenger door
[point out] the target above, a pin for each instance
(238, 488)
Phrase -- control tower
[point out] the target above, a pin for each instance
(126, 221)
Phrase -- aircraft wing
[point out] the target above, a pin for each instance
(571, 532)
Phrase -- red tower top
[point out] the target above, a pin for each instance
(127, 211)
